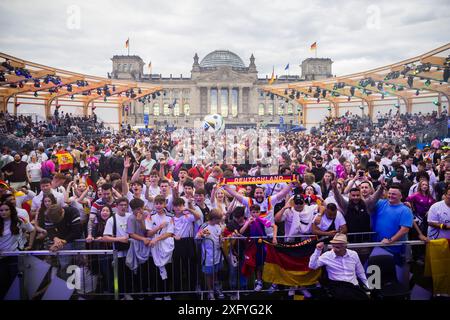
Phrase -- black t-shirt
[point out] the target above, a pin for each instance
(318, 173)
(19, 171)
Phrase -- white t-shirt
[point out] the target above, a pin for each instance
(155, 220)
(148, 164)
(34, 170)
(298, 222)
(130, 197)
(184, 225)
(153, 192)
(439, 213)
(325, 223)
(121, 228)
(211, 249)
(11, 242)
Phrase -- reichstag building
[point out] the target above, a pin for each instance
(220, 83)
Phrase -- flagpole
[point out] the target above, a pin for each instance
(128, 46)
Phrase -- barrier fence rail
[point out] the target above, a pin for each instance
(192, 274)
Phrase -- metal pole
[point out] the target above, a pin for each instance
(116, 275)
(21, 276)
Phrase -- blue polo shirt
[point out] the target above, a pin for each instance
(387, 220)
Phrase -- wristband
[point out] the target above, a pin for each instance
(441, 226)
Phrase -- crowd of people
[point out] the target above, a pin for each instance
(170, 218)
(392, 126)
(27, 129)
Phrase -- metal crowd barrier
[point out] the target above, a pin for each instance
(186, 276)
(62, 264)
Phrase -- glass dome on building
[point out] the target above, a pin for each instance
(222, 58)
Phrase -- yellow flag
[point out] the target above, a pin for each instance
(272, 79)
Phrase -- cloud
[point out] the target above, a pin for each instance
(356, 35)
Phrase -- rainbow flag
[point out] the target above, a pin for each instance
(287, 264)
(65, 160)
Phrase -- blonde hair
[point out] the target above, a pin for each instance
(309, 178)
(215, 214)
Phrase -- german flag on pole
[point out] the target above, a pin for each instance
(127, 43)
(314, 46)
(287, 264)
(272, 79)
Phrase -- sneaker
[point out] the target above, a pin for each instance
(167, 298)
(158, 298)
(258, 285)
(211, 296)
(305, 293)
(127, 297)
(219, 294)
(273, 288)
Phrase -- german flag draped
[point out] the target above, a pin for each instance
(287, 264)
(437, 265)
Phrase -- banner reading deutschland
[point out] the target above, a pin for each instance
(287, 264)
(259, 180)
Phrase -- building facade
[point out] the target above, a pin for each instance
(220, 83)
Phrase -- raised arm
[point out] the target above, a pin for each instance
(279, 214)
(83, 195)
(280, 195)
(239, 197)
(136, 175)
(373, 199)
(126, 167)
(339, 198)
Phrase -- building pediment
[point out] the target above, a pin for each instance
(224, 74)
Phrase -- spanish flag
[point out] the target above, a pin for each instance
(437, 265)
(314, 46)
(127, 43)
(65, 160)
(287, 264)
(272, 79)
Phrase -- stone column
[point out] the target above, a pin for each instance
(240, 101)
(219, 100)
(230, 101)
(208, 101)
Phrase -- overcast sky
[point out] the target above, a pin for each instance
(82, 36)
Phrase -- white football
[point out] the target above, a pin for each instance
(214, 122)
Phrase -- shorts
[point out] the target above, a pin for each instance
(212, 269)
